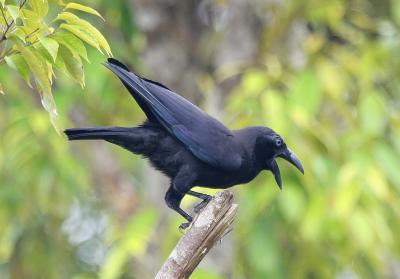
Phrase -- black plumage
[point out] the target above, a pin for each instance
(186, 144)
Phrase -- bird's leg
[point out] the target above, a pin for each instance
(206, 199)
(173, 199)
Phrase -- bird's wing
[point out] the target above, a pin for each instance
(207, 138)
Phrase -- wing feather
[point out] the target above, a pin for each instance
(207, 138)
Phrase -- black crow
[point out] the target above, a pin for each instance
(188, 145)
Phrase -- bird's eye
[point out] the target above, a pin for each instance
(278, 142)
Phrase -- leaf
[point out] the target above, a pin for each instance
(13, 11)
(51, 46)
(74, 29)
(30, 17)
(18, 63)
(40, 7)
(1, 89)
(18, 33)
(43, 52)
(84, 30)
(49, 105)
(38, 66)
(74, 44)
(83, 8)
(2, 21)
(73, 65)
(60, 65)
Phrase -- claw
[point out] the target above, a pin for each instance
(201, 205)
(183, 227)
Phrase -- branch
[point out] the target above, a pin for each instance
(9, 24)
(212, 223)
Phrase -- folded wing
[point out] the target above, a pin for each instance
(207, 138)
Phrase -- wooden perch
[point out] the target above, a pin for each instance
(208, 227)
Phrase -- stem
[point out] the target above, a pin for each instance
(9, 25)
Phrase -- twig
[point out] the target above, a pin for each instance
(207, 228)
(3, 37)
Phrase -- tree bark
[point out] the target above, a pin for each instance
(207, 228)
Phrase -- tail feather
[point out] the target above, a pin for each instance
(103, 133)
(140, 140)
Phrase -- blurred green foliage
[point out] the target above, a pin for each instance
(84, 210)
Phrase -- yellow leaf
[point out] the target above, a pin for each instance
(42, 74)
(40, 7)
(37, 65)
(83, 8)
(74, 29)
(74, 44)
(84, 30)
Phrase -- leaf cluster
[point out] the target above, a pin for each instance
(35, 41)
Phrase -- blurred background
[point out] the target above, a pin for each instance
(323, 74)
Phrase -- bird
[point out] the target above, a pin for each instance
(188, 145)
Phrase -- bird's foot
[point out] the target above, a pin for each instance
(198, 207)
(184, 226)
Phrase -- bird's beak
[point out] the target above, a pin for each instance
(289, 156)
(277, 174)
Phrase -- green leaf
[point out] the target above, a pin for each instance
(18, 63)
(83, 8)
(51, 46)
(40, 7)
(74, 29)
(84, 30)
(29, 17)
(18, 33)
(60, 66)
(73, 65)
(70, 41)
(42, 73)
(1, 89)
(49, 105)
(38, 66)
(2, 22)
(13, 11)
(43, 52)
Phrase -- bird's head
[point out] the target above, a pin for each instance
(273, 146)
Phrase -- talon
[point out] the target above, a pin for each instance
(201, 205)
(183, 227)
